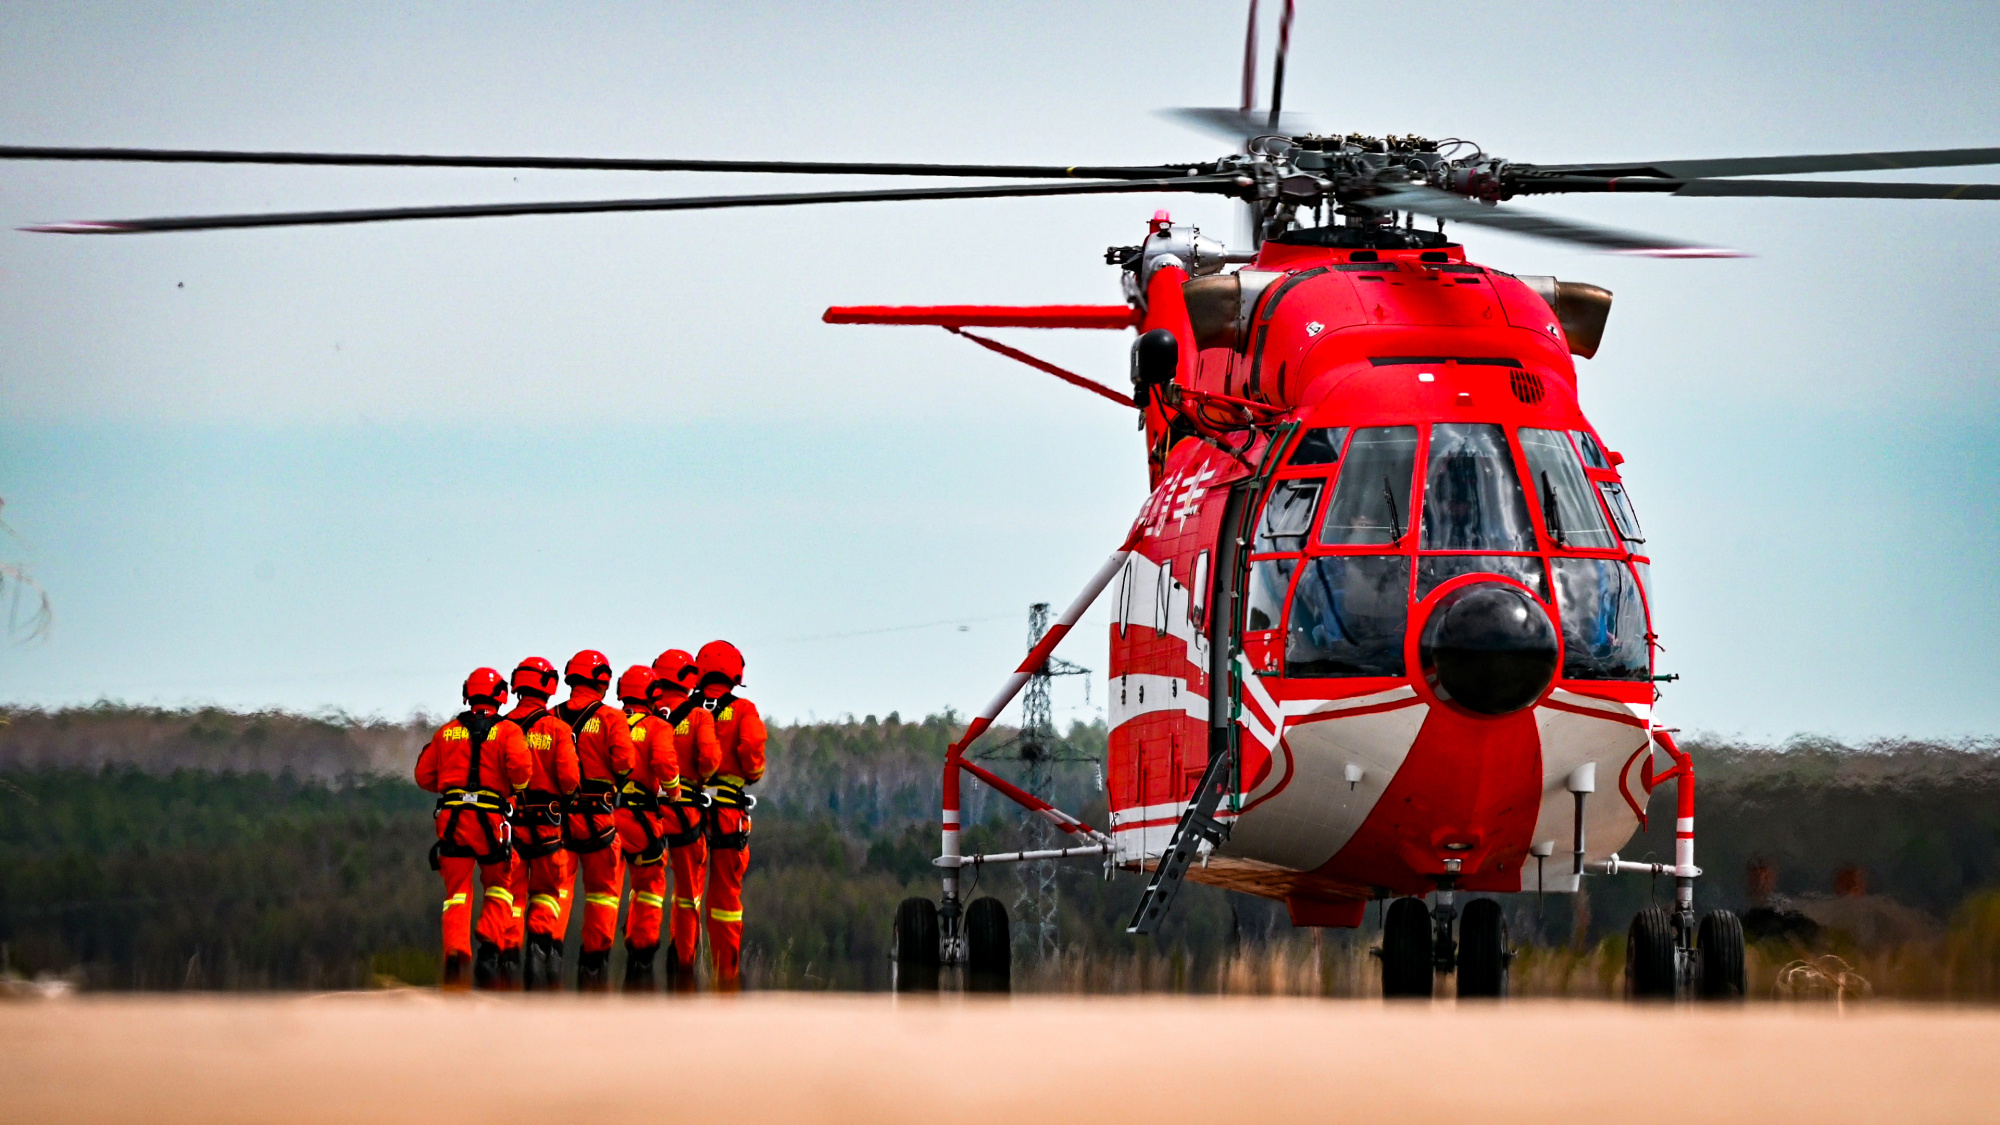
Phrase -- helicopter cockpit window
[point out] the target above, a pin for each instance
(1348, 617)
(1371, 501)
(1603, 622)
(1434, 570)
(1593, 454)
(1570, 514)
(1269, 579)
(1472, 497)
(1288, 516)
(1621, 511)
(1320, 447)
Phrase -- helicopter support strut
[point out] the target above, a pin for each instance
(948, 935)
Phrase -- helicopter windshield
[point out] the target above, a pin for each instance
(1570, 515)
(1371, 501)
(1320, 447)
(1603, 621)
(1621, 510)
(1348, 617)
(1288, 515)
(1472, 498)
(1269, 579)
(1434, 570)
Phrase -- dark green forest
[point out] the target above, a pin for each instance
(205, 849)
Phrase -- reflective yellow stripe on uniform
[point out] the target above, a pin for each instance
(689, 903)
(726, 915)
(728, 779)
(545, 900)
(501, 893)
(455, 900)
(649, 899)
(601, 900)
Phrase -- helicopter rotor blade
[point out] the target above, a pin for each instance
(1810, 189)
(1781, 165)
(1250, 63)
(588, 163)
(1211, 184)
(1455, 208)
(1278, 67)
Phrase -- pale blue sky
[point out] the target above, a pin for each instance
(337, 467)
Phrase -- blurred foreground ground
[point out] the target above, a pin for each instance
(418, 1056)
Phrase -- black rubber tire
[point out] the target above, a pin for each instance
(1406, 950)
(913, 948)
(1483, 953)
(989, 949)
(1718, 946)
(1649, 956)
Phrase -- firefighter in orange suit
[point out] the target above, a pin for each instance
(740, 732)
(604, 758)
(475, 764)
(543, 869)
(697, 753)
(654, 769)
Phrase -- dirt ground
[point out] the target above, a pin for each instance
(418, 1056)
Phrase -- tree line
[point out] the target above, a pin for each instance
(161, 849)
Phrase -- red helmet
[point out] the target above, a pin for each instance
(535, 676)
(637, 684)
(676, 669)
(589, 668)
(484, 686)
(720, 660)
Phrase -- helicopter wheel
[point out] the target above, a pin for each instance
(989, 950)
(913, 947)
(1483, 955)
(1406, 949)
(1719, 956)
(1649, 956)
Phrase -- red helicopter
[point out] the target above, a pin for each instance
(1381, 631)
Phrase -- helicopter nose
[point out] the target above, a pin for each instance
(1489, 648)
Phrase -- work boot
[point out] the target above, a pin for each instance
(510, 969)
(457, 967)
(639, 968)
(593, 971)
(680, 974)
(486, 966)
(543, 966)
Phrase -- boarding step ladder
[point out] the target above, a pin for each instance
(1197, 823)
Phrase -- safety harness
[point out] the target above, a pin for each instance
(487, 806)
(595, 800)
(536, 810)
(688, 800)
(643, 805)
(729, 794)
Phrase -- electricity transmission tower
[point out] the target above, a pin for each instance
(1039, 748)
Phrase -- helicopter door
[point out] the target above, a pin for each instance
(1225, 607)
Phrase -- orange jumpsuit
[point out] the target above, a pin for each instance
(543, 870)
(740, 732)
(475, 763)
(604, 758)
(687, 836)
(641, 824)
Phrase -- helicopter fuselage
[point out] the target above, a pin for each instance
(1419, 572)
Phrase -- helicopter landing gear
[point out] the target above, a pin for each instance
(914, 947)
(1483, 952)
(989, 948)
(1418, 943)
(1718, 948)
(1651, 956)
(1407, 955)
